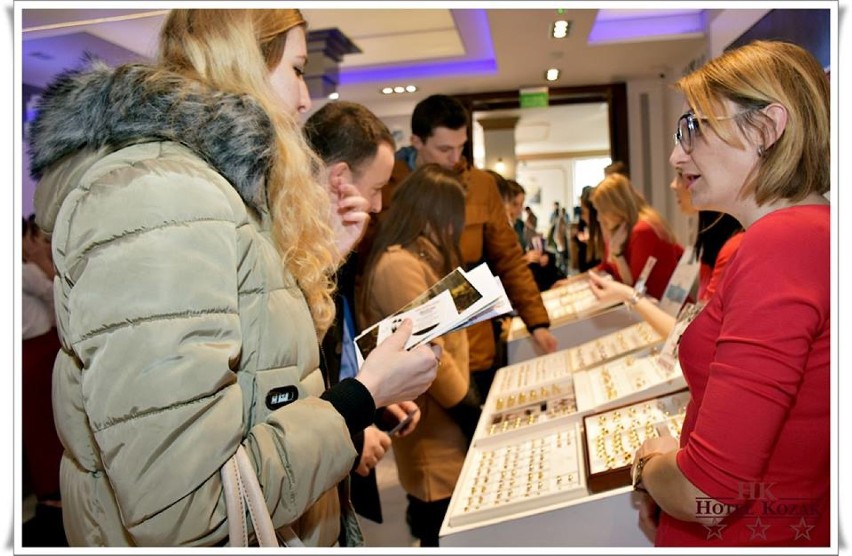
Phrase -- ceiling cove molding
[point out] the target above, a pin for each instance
(475, 31)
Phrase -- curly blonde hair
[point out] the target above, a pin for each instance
(234, 51)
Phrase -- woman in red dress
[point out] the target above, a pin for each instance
(752, 466)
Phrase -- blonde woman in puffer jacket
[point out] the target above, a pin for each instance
(193, 248)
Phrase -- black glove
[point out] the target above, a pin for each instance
(466, 413)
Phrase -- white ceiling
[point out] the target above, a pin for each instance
(447, 47)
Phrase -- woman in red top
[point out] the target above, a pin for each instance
(752, 466)
(633, 232)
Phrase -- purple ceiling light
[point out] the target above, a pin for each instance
(646, 25)
(479, 58)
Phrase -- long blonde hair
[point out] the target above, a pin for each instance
(616, 195)
(234, 51)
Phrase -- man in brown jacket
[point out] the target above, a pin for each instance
(439, 131)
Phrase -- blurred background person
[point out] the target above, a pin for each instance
(530, 224)
(717, 238)
(541, 262)
(42, 450)
(589, 238)
(634, 231)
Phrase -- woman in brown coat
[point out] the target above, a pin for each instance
(416, 244)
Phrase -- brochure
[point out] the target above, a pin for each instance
(456, 301)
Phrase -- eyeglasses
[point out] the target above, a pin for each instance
(688, 128)
(685, 132)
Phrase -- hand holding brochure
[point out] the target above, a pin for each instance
(458, 300)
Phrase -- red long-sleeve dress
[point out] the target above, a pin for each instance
(757, 361)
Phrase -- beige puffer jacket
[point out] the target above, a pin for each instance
(179, 329)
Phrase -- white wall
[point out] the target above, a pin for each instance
(727, 26)
(724, 27)
(400, 127)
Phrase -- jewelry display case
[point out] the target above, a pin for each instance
(523, 474)
(572, 301)
(626, 379)
(542, 389)
(613, 436)
(555, 366)
(551, 454)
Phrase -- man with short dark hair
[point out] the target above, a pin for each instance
(357, 149)
(439, 127)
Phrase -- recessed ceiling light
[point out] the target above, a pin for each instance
(334, 96)
(552, 74)
(560, 29)
(399, 89)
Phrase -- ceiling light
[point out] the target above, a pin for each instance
(500, 166)
(560, 29)
(334, 96)
(399, 89)
(552, 74)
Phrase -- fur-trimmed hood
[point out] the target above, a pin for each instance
(100, 107)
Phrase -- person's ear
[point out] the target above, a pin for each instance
(416, 142)
(777, 114)
(338, 173)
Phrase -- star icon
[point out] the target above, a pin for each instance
(758, 530)
(715, 530)
(802, 529)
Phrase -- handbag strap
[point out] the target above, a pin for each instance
(242, 492)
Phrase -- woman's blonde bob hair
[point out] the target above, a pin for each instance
(234, 51)
(616, 196)
(753, 77)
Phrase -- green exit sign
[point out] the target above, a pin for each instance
(534, 97)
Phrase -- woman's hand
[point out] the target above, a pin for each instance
(617, 240)
(544, 340)
(349, 216)
(394, 375)
(649, 515)
(401, 411)
(376, 444)
(608, 290)
(657, 444)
